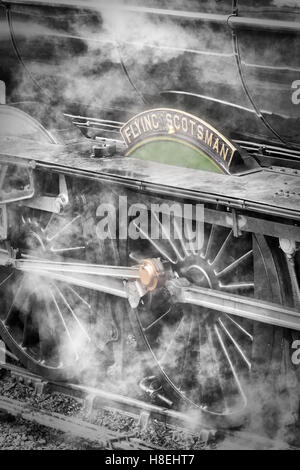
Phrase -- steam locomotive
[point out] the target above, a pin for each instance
(181, 114)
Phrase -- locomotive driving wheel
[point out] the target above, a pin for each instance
(52, 326)
(206, 359)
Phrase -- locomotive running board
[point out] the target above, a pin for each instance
(248, 192)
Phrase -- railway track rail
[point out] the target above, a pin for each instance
(99, 435)
(144, 413)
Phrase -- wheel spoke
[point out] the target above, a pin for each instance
(239, 327)
(3, 173)
(48, 337)
(238, 348)
(216, 366)
(190, 243)
(172, 342)
(25, 332)
(73, 313)
(154, 244)
(180, 237)
(47, 228)
(236, 378)
(209, 242)
(6, 279)
(78, 296)
(63, 229)
(136, 257)
(67, 250)
(236, 286)
(187, 345)
(221, 250)
(168, 237)
(12, 311)
(234, 265)
(64, 324)
(155, 322)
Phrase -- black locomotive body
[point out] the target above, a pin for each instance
(115, 115)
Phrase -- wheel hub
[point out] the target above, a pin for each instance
(197, 272)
